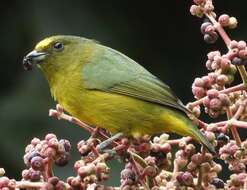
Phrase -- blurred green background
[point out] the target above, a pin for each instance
(160, 35)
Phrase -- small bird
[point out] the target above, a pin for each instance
(107, 89)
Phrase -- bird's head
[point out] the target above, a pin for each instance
(58, 52)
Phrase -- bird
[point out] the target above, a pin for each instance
(105, 88)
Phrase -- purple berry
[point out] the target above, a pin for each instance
(237, 61)
(33, 154)
(53, 180)
(37, 163)
(222, 137)
(210, 38)
(204, 26)
(60, 186)
(218, 183)
(63, 159)
(34, 175)
(66, 144)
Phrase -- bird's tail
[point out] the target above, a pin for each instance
(198, 136)
(183, 126)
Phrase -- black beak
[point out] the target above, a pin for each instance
(32, 58)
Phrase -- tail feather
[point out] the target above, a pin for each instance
(197, 135)
(182, 125)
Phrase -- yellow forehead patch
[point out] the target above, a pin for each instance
(43, 44)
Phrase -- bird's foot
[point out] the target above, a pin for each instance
(100, 147)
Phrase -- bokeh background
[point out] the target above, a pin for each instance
(160, 35)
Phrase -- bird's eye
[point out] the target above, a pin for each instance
(58, 46)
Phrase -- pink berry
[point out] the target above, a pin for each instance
(215, 104)
(225, 63)
(166, 148)
(198, 92)
(207, 81)
(196, 11)
(206, 102)
(4, 181)
(197, 158)
(198, 82)
(209, 65)
(199, 2)
(50, 136)
(35, 141)
(224, 20)
(47, 186)
(233, 44)
(209, 7)
(243, 53)
(212, 93)
(241, 45)
(53, 143)
(25, 174)
(212, 54)
(188, 179)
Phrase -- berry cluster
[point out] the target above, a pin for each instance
(40, 153)
(234, 156)
(88, 173)
(128, 178)
(237, 181)
(54, 183)
(7, 184)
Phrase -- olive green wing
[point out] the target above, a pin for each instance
(113, 72)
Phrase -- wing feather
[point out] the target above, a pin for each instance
(110, 71)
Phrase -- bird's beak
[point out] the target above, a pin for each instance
(32, 58)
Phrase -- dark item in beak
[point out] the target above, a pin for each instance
(32, 58)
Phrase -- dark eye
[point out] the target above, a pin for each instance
(58, 46)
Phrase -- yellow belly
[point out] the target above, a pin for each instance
(119, 113)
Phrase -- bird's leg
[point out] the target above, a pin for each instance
(100, 147)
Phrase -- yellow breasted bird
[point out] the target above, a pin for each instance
(105, 88)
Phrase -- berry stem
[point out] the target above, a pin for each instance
(28, 184)
(233, 128)
(61, 115)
